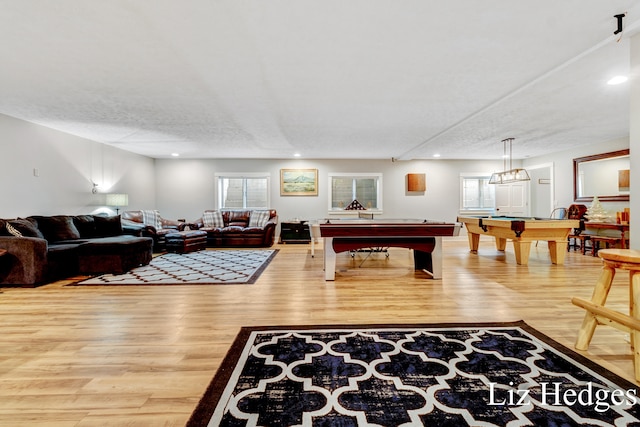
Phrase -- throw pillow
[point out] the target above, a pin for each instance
(107, 226)
(57, 228)
(213, 219)
(258, 218)
(86, 225)
(152, 218)
(25, 227)
(13, 231)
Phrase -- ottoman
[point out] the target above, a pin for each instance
(186, 241)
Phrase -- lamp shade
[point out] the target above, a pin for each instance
(506, 177)
(117, 199)
(511, 175)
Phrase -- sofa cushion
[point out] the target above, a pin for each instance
(86, 225)
(212, 230)
(23, 227)
(259, 218)
(213, 219)
(239, 218)
(231, 229)
(70, 246)
(107, 226)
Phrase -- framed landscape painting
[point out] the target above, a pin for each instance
(298, 182)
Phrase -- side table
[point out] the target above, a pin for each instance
(295, 232)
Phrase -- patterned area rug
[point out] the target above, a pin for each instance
(432, 375)
(209, 267)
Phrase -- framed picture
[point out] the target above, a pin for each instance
(298, 182)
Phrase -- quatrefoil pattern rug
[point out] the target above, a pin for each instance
(208, 267)
(447, 375)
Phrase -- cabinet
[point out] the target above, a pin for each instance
(295, 232)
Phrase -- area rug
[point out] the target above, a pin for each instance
(209, 267)
(411, 375)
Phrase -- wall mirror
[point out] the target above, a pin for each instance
(604, 175)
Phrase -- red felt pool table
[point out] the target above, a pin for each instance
(423, 236)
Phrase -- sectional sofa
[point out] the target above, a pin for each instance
(40, 249)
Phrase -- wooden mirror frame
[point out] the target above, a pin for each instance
(576, 165)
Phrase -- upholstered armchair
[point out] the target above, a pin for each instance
(151, 224)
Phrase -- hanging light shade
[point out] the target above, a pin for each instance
(511, 174)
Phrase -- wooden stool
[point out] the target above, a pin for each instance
(597, 314)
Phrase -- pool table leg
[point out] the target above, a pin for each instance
(501, 244)
(522, 250)
(430, 262)
(329, 259)
(557, 251)
(474, 242)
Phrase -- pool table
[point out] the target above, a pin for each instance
(522, 231)
(423, 236)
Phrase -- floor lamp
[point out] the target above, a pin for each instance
(117, 200)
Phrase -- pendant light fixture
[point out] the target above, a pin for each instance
(511, 174)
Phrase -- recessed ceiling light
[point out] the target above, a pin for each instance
(296, 155)
(436, 155)
(617, 80)
(175, 154)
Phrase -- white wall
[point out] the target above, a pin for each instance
(66, 167)
(187, 187)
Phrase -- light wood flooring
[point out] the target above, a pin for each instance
(143, 355)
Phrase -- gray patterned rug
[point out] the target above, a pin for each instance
(501, 374)
(209, 267)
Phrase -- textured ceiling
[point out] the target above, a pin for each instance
(361, 79)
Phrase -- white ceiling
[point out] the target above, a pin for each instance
(361, 79)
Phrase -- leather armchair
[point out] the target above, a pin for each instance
(135, 221)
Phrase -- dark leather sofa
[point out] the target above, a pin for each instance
(40, 249)
(238, 228)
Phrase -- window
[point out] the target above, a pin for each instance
(476, 193)
(366, 188)
(243, 191)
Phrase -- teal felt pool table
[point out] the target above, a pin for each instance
(522, 232)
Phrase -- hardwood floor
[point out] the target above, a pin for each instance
(143, 355)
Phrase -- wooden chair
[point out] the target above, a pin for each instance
(576, 238)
